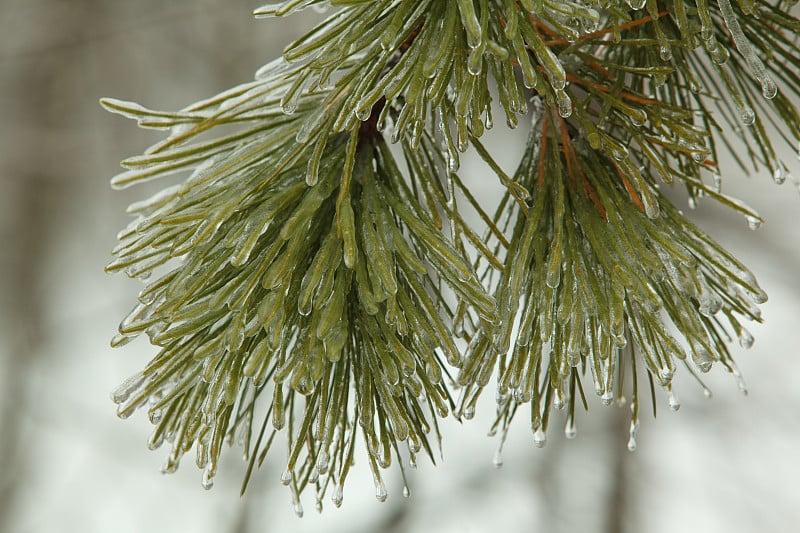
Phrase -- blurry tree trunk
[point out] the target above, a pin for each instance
(37, 116)
(618, 494)
(23, 314)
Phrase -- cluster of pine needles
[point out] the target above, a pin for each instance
(322, 273)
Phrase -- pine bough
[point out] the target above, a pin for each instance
(315, 276)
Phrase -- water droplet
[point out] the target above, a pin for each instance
(779, 174)
(322, 462)
(208, 479)
(156, 440)
(383, 462)
(170, 467)
(121, 340)
(702, 360)
(521, 396)
(286, 477)
(768, 88)
(753, 222)
(707, 393)
(638, 117)
(746, 339)
(123, 392)
(569, 429)
(155, 415)
(748, 116)
(607, 398)
(497, 460)
(558, 399)
(406, 492)
(453, 163)
(298, 509)
(539, 438)
(632, 439)
(553, 278)
(674, 404)
(289, 107)
(124, 412)
(469, 413)
(363, 113)
(710, 304)
(380, 492)
(475, 63)
(564, 104)
(337, 496)
(318, 505)
(740, 381)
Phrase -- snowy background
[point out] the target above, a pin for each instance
(730, 464)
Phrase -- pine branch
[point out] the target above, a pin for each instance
(316, 269)
(313, 273)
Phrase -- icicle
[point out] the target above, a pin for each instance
(779, 174)
(497, 460)
(607, 398)
(753, 222)
(702, 359)
(768, 87)
(123, 392)
(208, 479)
(564, 104)
(739, 379)
(472, 25)
(569, 429)
(746, 339)
(674, 404)
(381, 494)
(322, 462)
(632, 436)
(338, 495)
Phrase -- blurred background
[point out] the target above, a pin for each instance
(730, 464)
